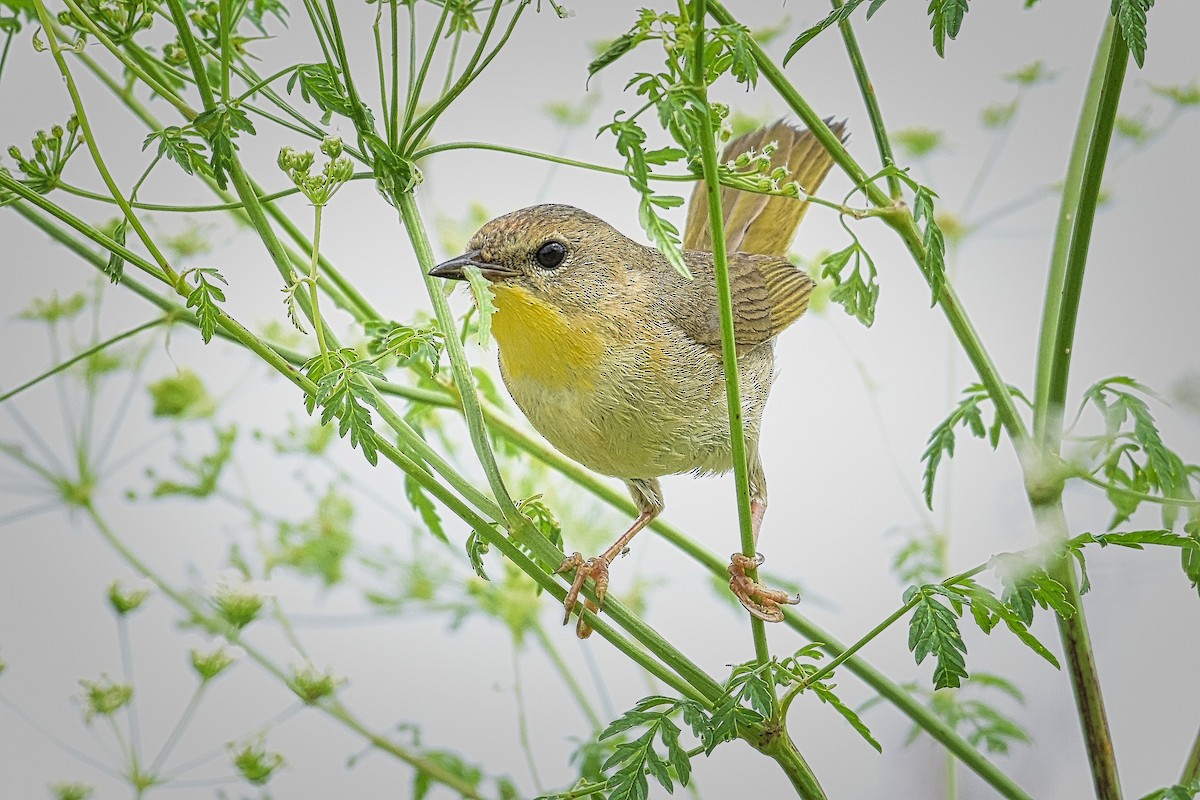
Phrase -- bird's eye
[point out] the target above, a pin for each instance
(551, 254)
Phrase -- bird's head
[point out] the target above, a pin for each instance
(557, 254)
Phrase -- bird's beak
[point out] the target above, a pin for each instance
(453, 269)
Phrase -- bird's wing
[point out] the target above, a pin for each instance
(768, 293)
(759, 223)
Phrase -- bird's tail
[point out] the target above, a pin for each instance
(759, 223)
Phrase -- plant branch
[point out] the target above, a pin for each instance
(1044, 485)
(91, 351)
(201, 616)
(900, 220)
(867, 89)
(733, 395)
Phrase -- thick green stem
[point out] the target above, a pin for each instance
(1191, 769)
(1067, 214)
(733, 393)
(777, 744)
(1080, 199)
(463, 379)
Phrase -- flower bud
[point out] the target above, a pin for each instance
(332, 146)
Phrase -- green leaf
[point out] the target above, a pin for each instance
(1131, 19)
(423, 504)
(344, 393)
(945, 20)
(617, 48)
(834, 18)
(933, 630)
(204, 297)
(115, 267)
(934, 263)
(319, 83)
(477, 546)
(173, 142)
(987, 606)
(481, 290)
(825, 693)
(221, 126)
(1027, 584)
(856, 293)
(967, 414)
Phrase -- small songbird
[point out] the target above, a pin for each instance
(615, 357)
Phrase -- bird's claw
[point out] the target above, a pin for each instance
(595, 568)
(760, 601)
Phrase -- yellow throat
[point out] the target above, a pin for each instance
(538, 342)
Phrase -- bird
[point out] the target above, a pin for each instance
(614, 356)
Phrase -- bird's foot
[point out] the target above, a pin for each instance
(757, 599)
(595, 568)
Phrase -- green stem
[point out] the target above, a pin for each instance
(1100, 137)
(1191, 769)
(91, 351)
(1056, 279)
(899, 219)
(200, 615)
(1056, 343)
(508, 428)
(85, 128)
(153, 83)
(782, 749)
(313, 275)
(867, 89)
(463, 379)
(568, 677)
(733, 395)
(181, 725)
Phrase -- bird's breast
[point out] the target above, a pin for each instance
(539, 344)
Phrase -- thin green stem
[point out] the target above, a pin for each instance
(193, 209)
(568, 677)
(416, 79)
(200, 615)
(313, 276)
(91, 351)
(733, 395)
(181, 725)
(85, 128)
(1142, 497)
(153, 83)
(901, 220)
(224, 12)
(413, 135)
(504, 426)
(523, 720)
(72, 221)
(377, 35)
(867, 89)
(393, 118)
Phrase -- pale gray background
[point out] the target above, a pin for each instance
(842, 458)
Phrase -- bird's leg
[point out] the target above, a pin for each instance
(648, 496)
(760, 601)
